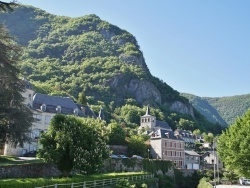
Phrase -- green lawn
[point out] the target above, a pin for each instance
(37, 182)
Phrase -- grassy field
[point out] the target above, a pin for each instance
(37, 182)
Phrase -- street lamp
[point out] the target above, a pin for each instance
(148, 152)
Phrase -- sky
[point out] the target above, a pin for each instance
(197, 47)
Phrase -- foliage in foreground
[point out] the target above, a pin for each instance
(234, 145)
(204, 184)
(74, 143)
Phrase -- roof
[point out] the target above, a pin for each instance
(27, 84)
(191, 152)
(167, 134)
(162, 125)
(86, 110)
(147, 114)
(184, 133)
(52, 102)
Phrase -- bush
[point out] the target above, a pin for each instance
(204, 184)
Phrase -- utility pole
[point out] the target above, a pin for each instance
(214, 167)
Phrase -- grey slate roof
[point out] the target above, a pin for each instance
(27, 84)
(88, 111)
(184, 133)
(190, 152)
(162, 125)
(67, 105)
(161, 133)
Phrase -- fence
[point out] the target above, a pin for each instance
(99, 183)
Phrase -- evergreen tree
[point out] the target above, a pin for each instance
(15, 117)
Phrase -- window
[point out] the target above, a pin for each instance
(38, 118)
(47, 119)
(35, 134)
(187, 157)
(43, 107)
(76, 112)
(58, 109)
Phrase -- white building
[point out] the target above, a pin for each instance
(44, 107)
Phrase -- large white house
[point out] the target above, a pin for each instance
(44, 107)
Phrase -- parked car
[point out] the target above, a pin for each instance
(136, 157)
(122, 156)
(30, 154)
(244, 181)
(113, 156)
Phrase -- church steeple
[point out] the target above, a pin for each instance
(101, 114)
(147, 111)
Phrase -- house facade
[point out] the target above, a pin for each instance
(192, 160)
(188, 138)
(165, 144)
(44, 107)
(210, 160)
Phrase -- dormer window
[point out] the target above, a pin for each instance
(58, 109)
(76, 112)
(43, 107)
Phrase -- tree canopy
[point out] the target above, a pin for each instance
(234, 145)
(74, 143)
(7, 6)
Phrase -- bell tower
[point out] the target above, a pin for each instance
(148, 121)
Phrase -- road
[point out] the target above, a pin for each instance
(231, 186)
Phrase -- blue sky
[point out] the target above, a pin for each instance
(197, 47)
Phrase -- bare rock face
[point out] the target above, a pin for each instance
(144, 91)
(106, 33)
(180, 107)
(130, 59)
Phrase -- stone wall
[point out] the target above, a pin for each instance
(48, 170)
(29, 171)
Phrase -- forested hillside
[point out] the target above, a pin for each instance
(99, 62)
(223, 110)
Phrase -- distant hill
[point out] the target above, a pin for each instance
(223, 110)
(86, 55)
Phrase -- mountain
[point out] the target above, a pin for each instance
(223, 110)
(88, 56)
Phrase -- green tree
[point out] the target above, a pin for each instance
(209, 138)
(74, 143)
(82, 98)
(137, 146)
(233, 146)
(15, 117)
(230, 176)
(116, 134)
(197, 132)
(4, 6)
